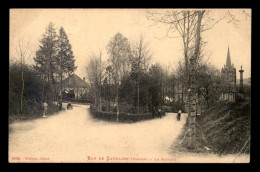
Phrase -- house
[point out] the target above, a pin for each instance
(77, 85)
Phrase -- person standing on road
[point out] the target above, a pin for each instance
(45, 106)
(60, 105)
(159, 113)
(179, 115)
(154, 110)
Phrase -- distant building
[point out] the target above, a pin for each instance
(77, 85)
(228, 74)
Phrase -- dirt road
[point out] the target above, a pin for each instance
(74, 136)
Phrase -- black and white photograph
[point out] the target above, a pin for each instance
(129, 85)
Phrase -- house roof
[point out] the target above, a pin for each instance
(74, 81)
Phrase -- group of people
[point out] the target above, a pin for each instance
(45, 107)
(157, 111)
(160, 115)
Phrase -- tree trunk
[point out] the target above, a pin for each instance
(117, 104)
(100, 100)
(138, 96)
(60, 79)
(207, 104)
(95, 95)
(22, 91)
(55, 89)
(182, 94)
(100, 84)
(109, 92)
(43, 89)
(61, 87)
(192, 90)
(201, 108)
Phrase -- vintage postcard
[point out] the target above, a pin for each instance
(129, 85)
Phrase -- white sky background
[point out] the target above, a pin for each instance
(90, 30)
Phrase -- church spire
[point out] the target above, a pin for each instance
(228, 63)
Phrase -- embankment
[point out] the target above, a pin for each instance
(224, 129)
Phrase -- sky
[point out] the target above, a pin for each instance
(89, 30)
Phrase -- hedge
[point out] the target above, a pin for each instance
(123, 117)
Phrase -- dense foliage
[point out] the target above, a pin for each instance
(30, 85)
(54, 58)
(128, 82)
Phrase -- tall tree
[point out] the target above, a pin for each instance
(140, 61)
(100, 71)
(65, 58)
(192, 96)
(183, 24)
(94, 70)
(21, 50)
(208, 83)
(155, 89)
(188, 24)
(47, 55)
(119, 51)
(109, 71)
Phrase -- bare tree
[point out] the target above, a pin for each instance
(188, 24)
(94, 70)
(21, 49)
(140, 61)
(183, 24)
(100, 78)
(109, 70)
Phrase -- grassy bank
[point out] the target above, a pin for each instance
(224, 129)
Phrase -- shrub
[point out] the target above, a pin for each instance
(32, 94)
(123, 117)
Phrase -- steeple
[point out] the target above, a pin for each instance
(228, 63)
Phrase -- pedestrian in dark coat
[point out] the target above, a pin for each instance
(60, 105)
(179, 115)
(159, 113)
(69, 106)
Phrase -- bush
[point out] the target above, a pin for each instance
(167, 108)
(123, 117)
(104, 108)
(240, 97)
(32, 94)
